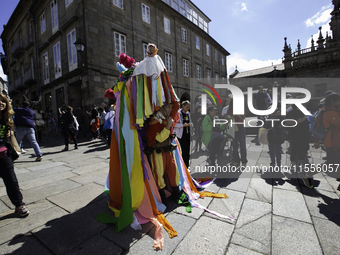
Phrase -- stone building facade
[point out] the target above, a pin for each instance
(317, 68)
(41, 60)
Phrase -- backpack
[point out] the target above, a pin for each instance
(318, 130)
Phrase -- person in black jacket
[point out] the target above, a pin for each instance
(69, 127)
(276, 137)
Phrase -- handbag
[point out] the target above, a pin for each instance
(107, 123)
(3, 151)
(263, 136)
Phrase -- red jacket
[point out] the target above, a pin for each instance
(331, 121)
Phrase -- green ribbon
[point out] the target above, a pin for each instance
(181, 201)
(126, 213)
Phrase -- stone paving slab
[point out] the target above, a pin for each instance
(229, 207)
(85, 162)
(294, 237)
(35, 182)
(239, 183)
(290, 204)
(26, 244)
(91, 167)
(320, 183)
(255, 235)
(180, 223)
(258, 189)
(253, 227)
(21, 170)
(32, 175)
(328, 234)
(322, 204)
(8, 217)
(333, 183)
(207, 236)
(22, 226)
(96, 245)
(196, 212)
(41, 192)
(71, 230)
(127, 237)
(287, 184)
(239, 250)
(76, 158)
(3, 191)
(99, 176)
(3, 207)
(78, 198)
(45, 166)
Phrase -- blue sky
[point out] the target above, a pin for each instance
(251, 31)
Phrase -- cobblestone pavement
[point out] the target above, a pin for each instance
(274, 214)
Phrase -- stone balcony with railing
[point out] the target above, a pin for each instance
(29, 78)
(18, 48)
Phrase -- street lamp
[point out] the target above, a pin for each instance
(80, 46)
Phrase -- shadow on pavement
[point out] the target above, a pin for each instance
(76, 233)
(329, 207)
(96, 149)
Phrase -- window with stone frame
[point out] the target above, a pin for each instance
(42, 23)
(182, 8)
(68, 2)
(189, 13)
(209, 75)
(216, 55)
(145, 50)
(167, 25)
(185, 67)
(208, 50)
(175, 5)
(57, 60)
(120, 43)
(118, 3)
(195, 18)
(198, 44)
(200, 22)
(198, 72)
(184, 35)
(72, 51)
(54, 15)
(46, 72)
(146, 13)
(168, 61)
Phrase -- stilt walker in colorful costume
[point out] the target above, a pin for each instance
(146, 111)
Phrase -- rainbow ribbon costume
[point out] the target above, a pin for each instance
(133, 182)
